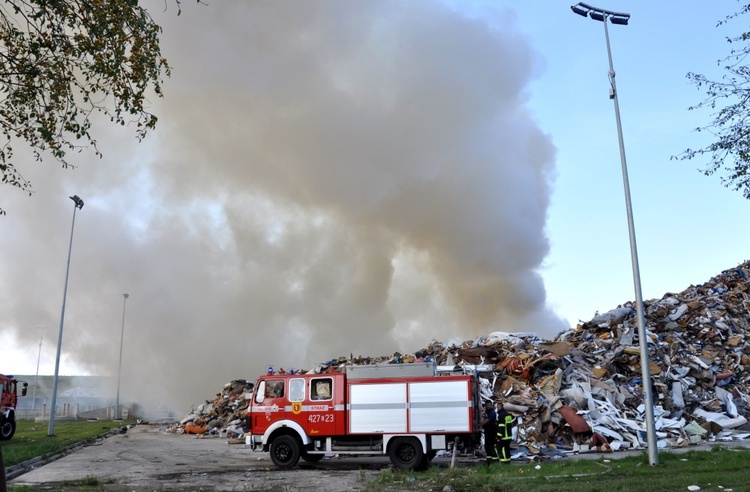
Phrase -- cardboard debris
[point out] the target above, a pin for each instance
(587, 381)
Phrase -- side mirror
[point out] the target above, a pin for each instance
(24, 388)
(260, 392)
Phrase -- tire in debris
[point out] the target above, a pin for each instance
(285, 451)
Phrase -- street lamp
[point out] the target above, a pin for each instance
(118, 415)
(622, 19)
(36, 378)
(77, 203)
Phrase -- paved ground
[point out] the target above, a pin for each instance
(148, 457)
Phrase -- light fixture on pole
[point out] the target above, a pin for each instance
(648, 398)
(118, 415)
(77, 203)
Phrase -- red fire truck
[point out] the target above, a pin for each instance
(406, 411)
(8, 401)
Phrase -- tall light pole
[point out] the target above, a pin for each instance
(36, 378)
(622, 19)
(77, 203)
(118, 415)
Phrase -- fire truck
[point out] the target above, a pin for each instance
(8, 402)
(407, 411)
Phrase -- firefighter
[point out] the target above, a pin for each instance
(505, 423)
(489, 426)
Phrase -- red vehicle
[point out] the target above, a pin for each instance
(405, 411)
(8, 402)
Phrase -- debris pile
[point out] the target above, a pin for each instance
(223, 416)
(586, 384)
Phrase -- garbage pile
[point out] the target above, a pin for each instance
(223, 416)
(587, 384)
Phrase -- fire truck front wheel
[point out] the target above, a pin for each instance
(7, 428)
(406, 453)
(285, 451)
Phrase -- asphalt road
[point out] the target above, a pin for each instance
(148, 457)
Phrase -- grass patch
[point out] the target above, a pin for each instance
(719, 469)
(31, 440)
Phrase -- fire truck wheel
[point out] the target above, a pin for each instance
(7, 428)
(406, 453)
(285, 451)
(312, 458)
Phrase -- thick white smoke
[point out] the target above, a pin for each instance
(326, 178)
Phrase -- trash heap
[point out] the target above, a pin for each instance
(223, 416)
(588, 380)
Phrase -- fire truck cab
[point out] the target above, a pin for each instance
(8, 402)
(406, 411)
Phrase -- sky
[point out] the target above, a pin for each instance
(332, 177)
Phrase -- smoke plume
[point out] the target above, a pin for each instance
(326, 178)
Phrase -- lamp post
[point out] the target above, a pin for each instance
(77, 203)
(36, 378)
(622, 19)
(118, 415)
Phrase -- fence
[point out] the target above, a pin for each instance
(74, 411)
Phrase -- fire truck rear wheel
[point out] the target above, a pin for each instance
(7, 428)
(285, 451)
(406, 453)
